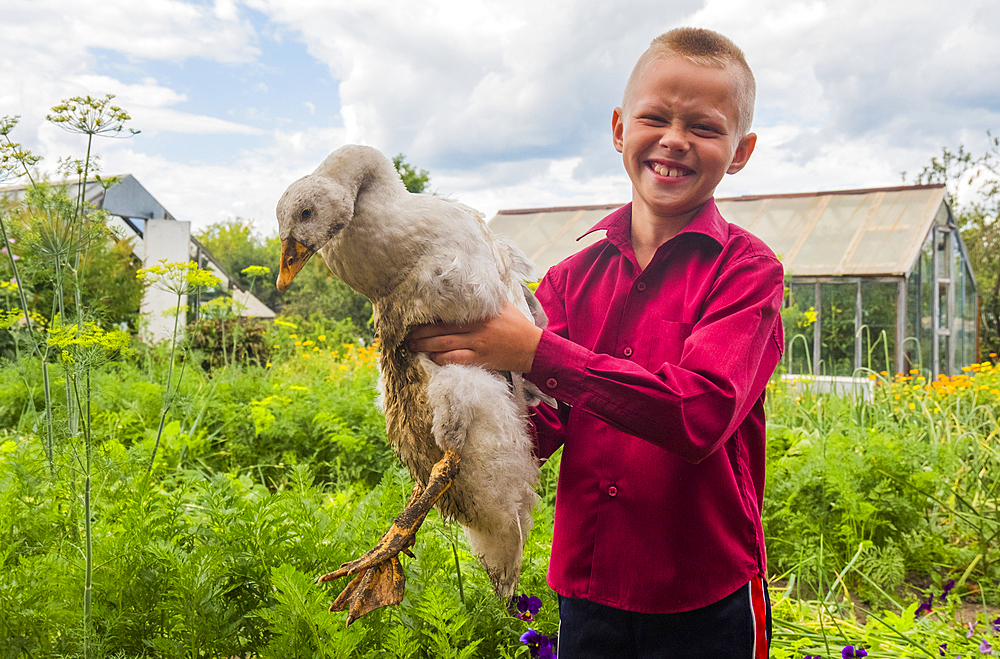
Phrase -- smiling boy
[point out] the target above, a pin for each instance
(660, 343)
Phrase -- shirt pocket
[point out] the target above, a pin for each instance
(667, 345)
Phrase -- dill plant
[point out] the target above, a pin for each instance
(180, 279)
(59, 233)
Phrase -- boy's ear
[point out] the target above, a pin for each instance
(743, 151)
(618, 129)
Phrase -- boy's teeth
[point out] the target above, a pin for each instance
(668, 171)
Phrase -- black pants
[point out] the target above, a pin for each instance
(726, 629)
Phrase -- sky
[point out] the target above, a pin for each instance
(506, 103)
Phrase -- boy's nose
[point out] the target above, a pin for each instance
(674, 139)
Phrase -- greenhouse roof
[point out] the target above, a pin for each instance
(873, 232)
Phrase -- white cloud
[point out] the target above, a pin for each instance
(474, 83)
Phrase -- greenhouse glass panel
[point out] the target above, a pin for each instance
(829, 240)
(919, 305)
(836, 321)
(911, 345)
(965, 321)
(801, 314)
(878, 325)
(925, 328)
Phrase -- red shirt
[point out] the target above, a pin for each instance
(660, 375)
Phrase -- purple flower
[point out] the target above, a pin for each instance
(540, 645)
(4, 251)
(972, 629)
(996, 624)
(925, 607)
(985, 647)
(527, 607)
(812, 656)
(849, 652)
(943, 648)
(947, 588)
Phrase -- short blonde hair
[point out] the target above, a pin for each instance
(706, 48)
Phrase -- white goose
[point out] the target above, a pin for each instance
(460, 430)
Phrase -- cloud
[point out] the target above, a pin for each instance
(466, 84)
(508, 104)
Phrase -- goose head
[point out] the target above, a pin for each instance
(311, 212)
(317, 207)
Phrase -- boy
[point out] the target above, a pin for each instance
(660, 343)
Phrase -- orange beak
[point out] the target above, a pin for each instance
(293, 256)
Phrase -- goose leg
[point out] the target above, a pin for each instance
(380, 580)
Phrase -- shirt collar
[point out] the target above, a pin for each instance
(708, 222)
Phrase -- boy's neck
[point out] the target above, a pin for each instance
(649, 231)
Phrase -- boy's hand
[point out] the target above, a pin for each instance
(503, 343)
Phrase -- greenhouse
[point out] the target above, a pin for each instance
(877, 279)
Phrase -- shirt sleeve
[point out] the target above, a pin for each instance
(549, 423)
(689, 408)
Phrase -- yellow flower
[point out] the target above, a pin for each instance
(256, 270)
(321, 337)
(298, 343)
(308, 343)
(912, 406)
(275, 346)
(293, 336)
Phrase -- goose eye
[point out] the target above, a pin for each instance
(306, 213)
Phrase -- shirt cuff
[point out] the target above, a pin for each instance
(559, 368)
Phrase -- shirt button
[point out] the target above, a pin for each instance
(612, 491)
(641, 286)
(627, 352)
(551, 383)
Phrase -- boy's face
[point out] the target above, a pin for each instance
(678, 136)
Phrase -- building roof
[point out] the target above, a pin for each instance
(871, 232)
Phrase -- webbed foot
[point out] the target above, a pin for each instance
(380, 580)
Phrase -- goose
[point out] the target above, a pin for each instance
(461, 431)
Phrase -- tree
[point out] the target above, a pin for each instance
(235, 245)
(973, 192)
(414, 179)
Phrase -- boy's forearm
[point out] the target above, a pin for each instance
(506, 342)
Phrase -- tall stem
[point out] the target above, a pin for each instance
(87, 511)
(35, 345)
(74, 416)
(166, 393)
(48, 417)
(77, 245)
